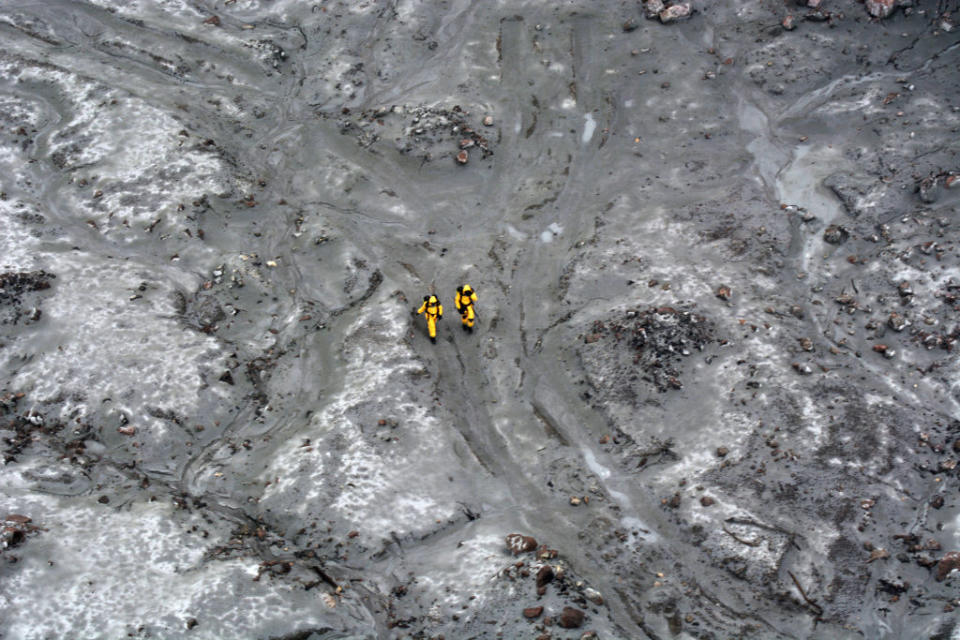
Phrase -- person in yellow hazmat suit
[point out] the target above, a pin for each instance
(465, 299)
(434, 311)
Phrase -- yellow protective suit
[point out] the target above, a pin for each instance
(464, 299)
(434, 311)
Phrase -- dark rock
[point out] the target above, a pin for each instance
(544, 575)
(724, 292)
(630, 25)
(571, 618)
(532, 612)
(674, 501)
(835, 234)
(227, 377)
(463, 157)
(103, 500)
(15, 283)
(518, 543)
(926, 560)
(788, 23)
(191, 623)
(936, 502)
(707, 501)
(893, 587)
(722, 452)
(802, 368)
(11, 537)
(947, 564)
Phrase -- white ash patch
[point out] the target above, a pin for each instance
(134, 354)
(373, 485)
(100, 569)
(17, 241)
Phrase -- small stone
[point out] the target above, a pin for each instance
(674, 501)
(652, 8)
(462, 157)
(191, 623)
(936, 501)
(880, 8)
(802, 368)
(878, 554)
(589, 635)
(544, 576)
(806, 344)
(675, 12)
(488, 121)
(835, 234)
(897, 322)
(574, 501)
(724, 292)
(214, 20)
(788, 23)
(518, 543)
(722, 452)
(128, 430)
(103, 500)
(630, 25)
(707, 501)
(947, 564)
(929, 189)
(593, 596)
(532, 612)
(571, 618)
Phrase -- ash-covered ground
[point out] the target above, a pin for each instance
(712, 393)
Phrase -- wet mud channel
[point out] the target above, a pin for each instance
(712, 391)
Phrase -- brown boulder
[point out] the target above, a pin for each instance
(947, 564)
(675, 12)
(518, 543)
(544, 575)
(532, 612)
(880, 8)
(19, 519)
(571, 618)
